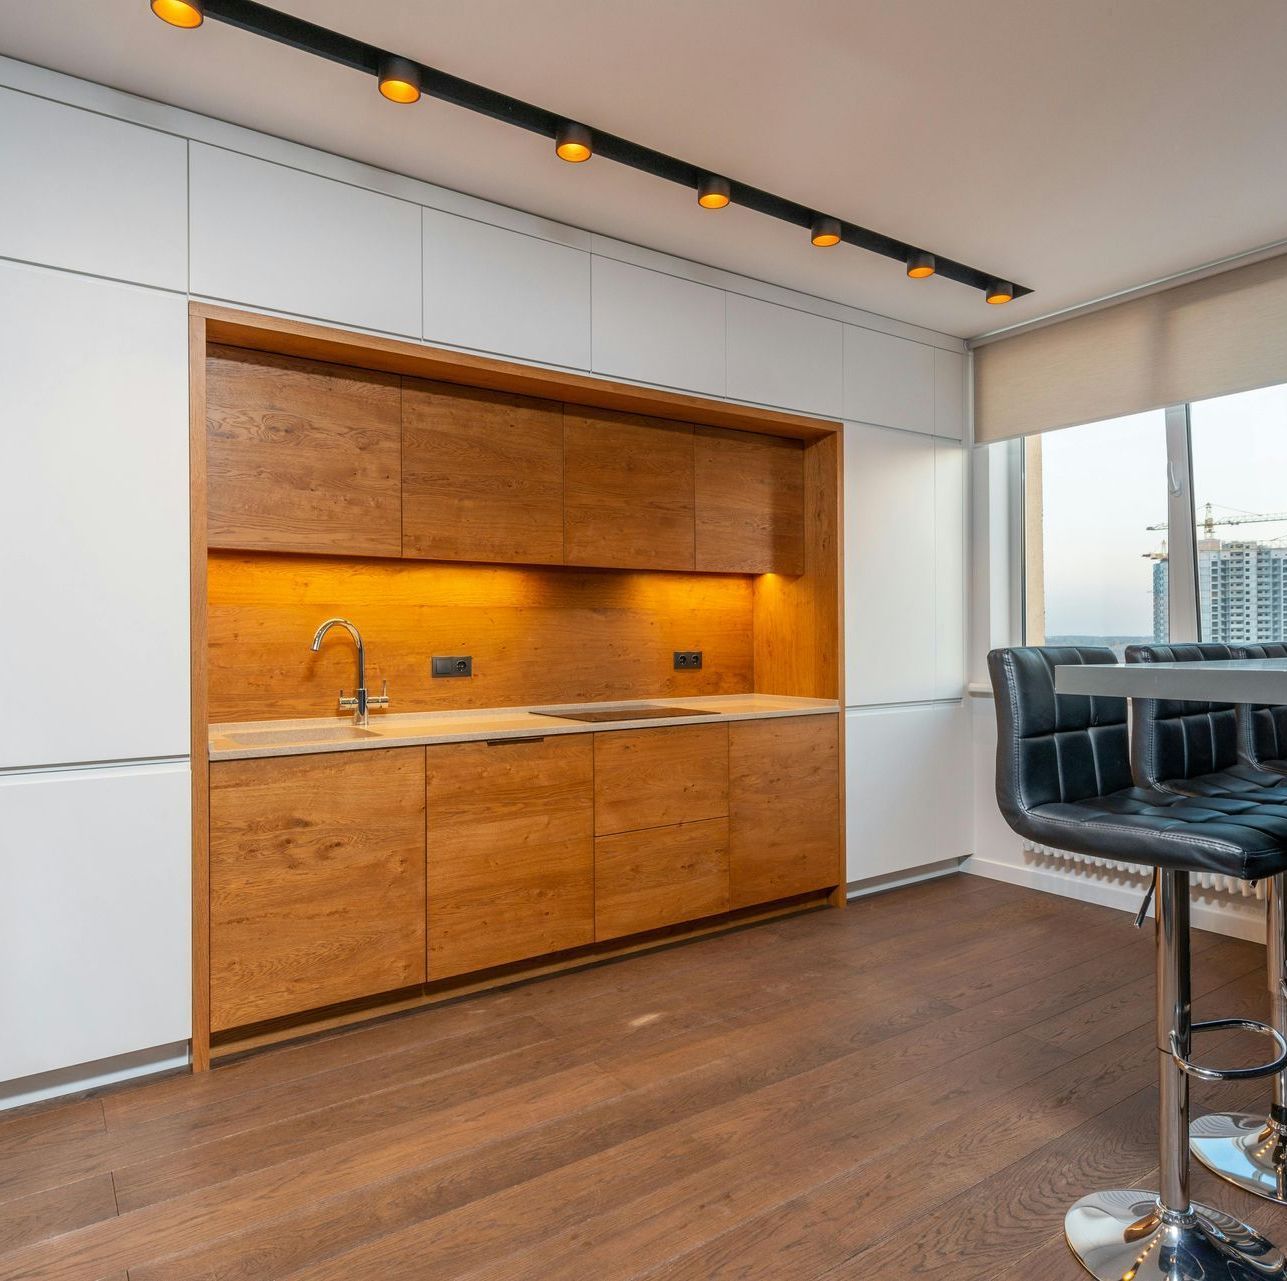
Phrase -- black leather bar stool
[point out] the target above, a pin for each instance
(1064, 779)
(1206, 749)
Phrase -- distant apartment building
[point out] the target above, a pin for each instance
(1242, 591)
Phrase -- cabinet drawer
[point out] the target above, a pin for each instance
(661, 876)
(511, 856)
(317, 881)
(784, 807)
(655, 777)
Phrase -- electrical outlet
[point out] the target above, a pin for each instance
(453, 665)
(688, 660)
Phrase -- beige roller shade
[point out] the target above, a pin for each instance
(1221, 334)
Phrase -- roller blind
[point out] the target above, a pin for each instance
(1209, 337)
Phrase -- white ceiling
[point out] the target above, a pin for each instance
(1081, 147)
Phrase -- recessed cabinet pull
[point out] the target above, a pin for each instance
(500, 742)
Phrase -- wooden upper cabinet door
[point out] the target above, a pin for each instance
(317, 881)
(654, 777)
(629, 490)
(511, 851)
(302, 456)
(784, 807)
(749, 499)
(482, 475)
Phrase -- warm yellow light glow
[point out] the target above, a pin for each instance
(399, 91)
(573, 152)
(920, 273)
(1000, 293)
(824, 238)
(713, 192)
(713, 200)
(179, 13)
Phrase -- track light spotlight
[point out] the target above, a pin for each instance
(573, 143)
(999, 291)
(179, 13)
(399, 79)
(920, 265)
(713, 192)
(824, 232)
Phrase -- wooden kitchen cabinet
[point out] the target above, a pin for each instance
(660, 876)
(656, 777)
(317, 881)
(784, 807)
(511, 850)
(628, 490)
(302, 456)
(749, 502)
(482, 475)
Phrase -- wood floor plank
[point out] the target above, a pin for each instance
(56, 1210)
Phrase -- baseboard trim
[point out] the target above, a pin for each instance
(85, 1078)
(1243, 919)
(895, 880)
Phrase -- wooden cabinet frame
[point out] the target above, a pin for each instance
(798, 641)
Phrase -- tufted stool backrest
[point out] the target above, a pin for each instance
(1263, 727)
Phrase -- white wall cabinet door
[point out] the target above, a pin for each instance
(780, 356)
(890, 554)
(949, 393)
(888, 380)
(92, 194)
(94, 915)
(94, 520)
(274, 237)
(656, 328)
(894, 822)
(949, 569)
(497, 290)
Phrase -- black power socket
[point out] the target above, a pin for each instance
(688, 660)
(454, 665)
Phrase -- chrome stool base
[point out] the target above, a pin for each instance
(1250, 1151)
(1124, 1235)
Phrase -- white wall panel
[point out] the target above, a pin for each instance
(94, 915)
(780, 356)
(949, 393)
(655, 328)
(92, 194)
(889, 556)
(894, 821)
(949, 569)
(94, 520)
(502, 291)
(274, 237)
(888, 380)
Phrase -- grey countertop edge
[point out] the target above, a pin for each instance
(540, 726)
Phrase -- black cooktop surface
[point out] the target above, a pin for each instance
(607, 714)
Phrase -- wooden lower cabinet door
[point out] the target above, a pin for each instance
(511, 850)
(784, 807)
(656, 777)
(317, 881)
(644, 880)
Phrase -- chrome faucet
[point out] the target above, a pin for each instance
(361, 701)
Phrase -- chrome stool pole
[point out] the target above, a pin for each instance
(1246, 1148)
(1163, 1236)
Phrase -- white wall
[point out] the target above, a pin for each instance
(118, 210)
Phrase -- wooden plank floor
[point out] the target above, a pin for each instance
(918, 1086)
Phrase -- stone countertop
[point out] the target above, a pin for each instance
(233, 741)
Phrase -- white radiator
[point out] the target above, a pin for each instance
(1132, 873)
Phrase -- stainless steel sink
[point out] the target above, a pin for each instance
(308, 734)
(607, 715)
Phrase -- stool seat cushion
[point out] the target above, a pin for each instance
(1242, 782)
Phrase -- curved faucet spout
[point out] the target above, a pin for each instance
(361, 700)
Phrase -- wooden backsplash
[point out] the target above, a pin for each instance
(537, 635)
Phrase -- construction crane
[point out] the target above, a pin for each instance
(1209, 522)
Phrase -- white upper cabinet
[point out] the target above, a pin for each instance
(780, 356)
(501, 291)
(274, 237)
(889, 556)
(949, 569)
(888, 380)
(94, 917)
(94, 521)
(655, 328)
(949, 393)
(893, 823)
(92, 194)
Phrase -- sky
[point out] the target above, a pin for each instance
(1105, 483)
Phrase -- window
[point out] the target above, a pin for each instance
(1095, 520)
(1239, 448)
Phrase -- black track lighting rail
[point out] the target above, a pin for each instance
(284, 28)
